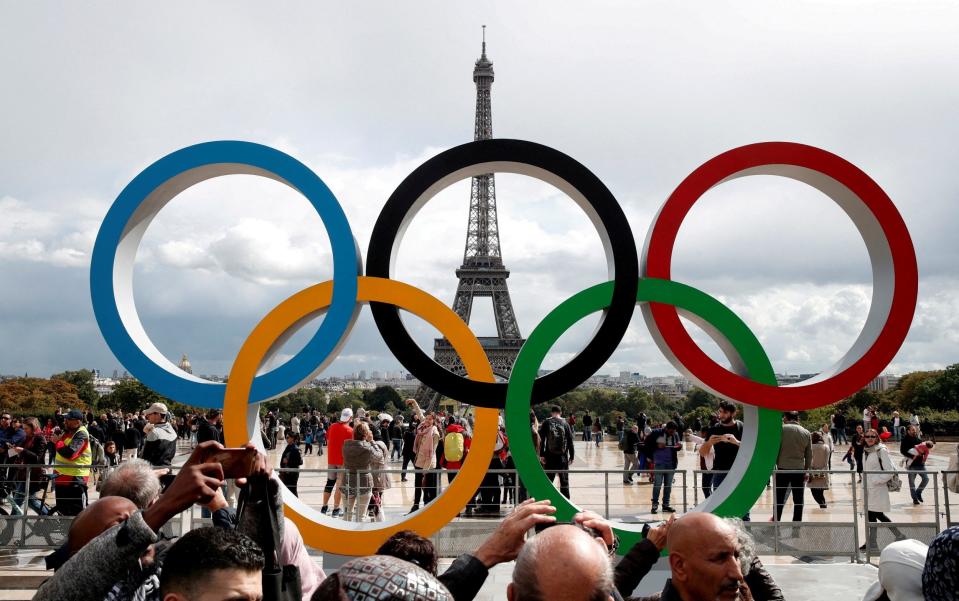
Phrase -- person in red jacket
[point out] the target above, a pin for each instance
(338, 433)
(456, 446)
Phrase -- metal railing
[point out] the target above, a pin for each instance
(838, 532)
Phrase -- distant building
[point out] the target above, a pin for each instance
(184, 364)
(786, 379)
(883, 382)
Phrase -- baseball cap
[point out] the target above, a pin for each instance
(74, 414)
(346, 415)
(156, 408)
(900, 572)
(361, 413)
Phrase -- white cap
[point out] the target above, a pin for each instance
(900, 572)
(346, 415)
(385, 416)
(361, 412)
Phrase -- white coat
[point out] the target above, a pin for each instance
(878, 495)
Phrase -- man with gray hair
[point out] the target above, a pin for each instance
(135, 480)
(562, 562)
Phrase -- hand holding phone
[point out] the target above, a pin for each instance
(237, 463)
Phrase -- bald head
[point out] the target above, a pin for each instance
(562, 562)
(704, 557)
(97, 518)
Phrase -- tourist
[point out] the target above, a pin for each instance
(705, 461)
(840, 421)
(456, 445)
(562, 562)
(916, 463)
(381, 480)
(858, 447)
(818, 477)
(340, 432)
(914, 421)
(866, 418)
(664, 447)
(272, 427)
(630, 442)
(159, 448)
(291, 460)
(358, 577)
(620, 428)
(396, 438)
(598, 430)
(410, 546)
(424, 462)
(703, 560)
(897, 428)
(795, 457)
(878, 460)
(212, 563)
(724, 438)
(556, 447)
(829, 441)
(900, 572)
(358, 455)
(134, 480)
(210, 427)
(940, 579)
(73, 459)
(409, 437)
(587, 427)
(308, 439)
(30, 454)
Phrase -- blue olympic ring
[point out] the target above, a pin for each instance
(111, 269)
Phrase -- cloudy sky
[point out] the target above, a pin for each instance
(641, 93)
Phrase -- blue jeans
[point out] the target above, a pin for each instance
(664, 481)
(718, 478)
(587, 437)
(397, 452)
(917, 470)
(19, 496)
(841, 438)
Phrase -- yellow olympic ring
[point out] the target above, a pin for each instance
(317, 529)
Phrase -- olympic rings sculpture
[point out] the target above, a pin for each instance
(647, 282)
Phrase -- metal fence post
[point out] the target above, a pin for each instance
(606, 489)
(23, 509)
(935, 494)
(865, 509)
(515, 488)
(685, 498)
(855, 518)
(945, 495)
(695, 487)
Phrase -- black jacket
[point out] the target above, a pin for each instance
(206, 431)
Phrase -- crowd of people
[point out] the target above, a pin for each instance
(118, 549)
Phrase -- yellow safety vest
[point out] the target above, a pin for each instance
(80, 466)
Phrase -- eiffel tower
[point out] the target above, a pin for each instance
(482, 273)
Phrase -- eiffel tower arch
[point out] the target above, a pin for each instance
(482, 273)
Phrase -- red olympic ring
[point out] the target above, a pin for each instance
(895, 273)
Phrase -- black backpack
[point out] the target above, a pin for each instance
(555, 436)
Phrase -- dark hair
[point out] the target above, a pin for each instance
(671, 426)
(816, 437)
(725, 405)
(202, 551)
(410, 546)
(293, 435)
(792, 416)
(555, 409)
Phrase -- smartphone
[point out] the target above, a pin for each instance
(237, 463)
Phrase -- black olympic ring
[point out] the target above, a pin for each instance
(543, 163)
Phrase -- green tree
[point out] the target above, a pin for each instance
(381, 397)
(697, 397)
(82, 380)
(130, 396)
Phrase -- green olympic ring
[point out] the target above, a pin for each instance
(754, 463)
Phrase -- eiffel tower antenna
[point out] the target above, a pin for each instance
(482, 273)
